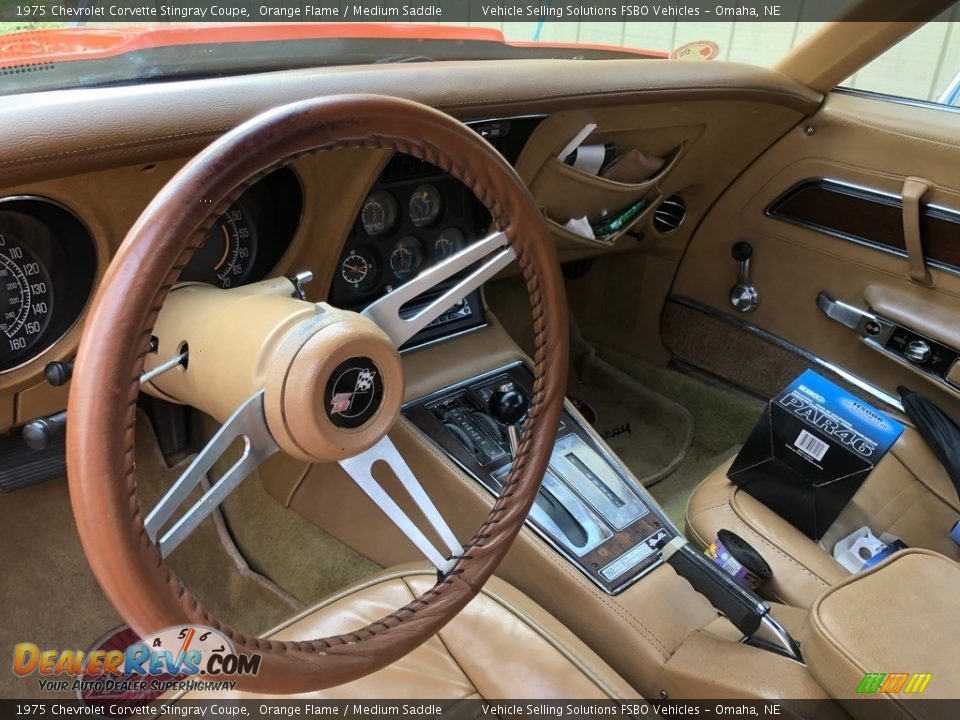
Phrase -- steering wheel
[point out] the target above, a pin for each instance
(307, 379)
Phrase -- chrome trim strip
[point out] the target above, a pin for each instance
(868, 95)
(846, 375)
(951, 93)
(882, 196)
(529, 116)
(443, 338)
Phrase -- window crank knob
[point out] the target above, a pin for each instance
(744, 295)
(741, 251)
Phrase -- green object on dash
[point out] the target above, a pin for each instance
(608, 227)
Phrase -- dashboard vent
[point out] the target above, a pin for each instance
(669, 215)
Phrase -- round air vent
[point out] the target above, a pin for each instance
(669, 215)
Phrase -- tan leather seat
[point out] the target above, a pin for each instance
(503, 645)
(908, 494)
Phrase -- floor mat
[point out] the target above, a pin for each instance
(50, 597)
(722, 420)
(649, 432)
(279, 543)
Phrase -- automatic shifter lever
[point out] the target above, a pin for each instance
(509, 407)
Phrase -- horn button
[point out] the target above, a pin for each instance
(334, 387)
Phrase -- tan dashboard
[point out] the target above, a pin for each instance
(101, 155)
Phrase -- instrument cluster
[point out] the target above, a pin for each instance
(404, 226)
(415, 216)
(48, 260)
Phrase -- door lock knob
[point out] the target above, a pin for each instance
(917, 352)
(744, 295)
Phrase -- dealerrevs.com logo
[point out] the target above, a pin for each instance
(122, 666)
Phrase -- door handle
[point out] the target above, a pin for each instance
(866, 324)
(937, 361)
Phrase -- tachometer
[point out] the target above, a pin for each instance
(227, 256)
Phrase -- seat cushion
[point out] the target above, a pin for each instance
(897, 623)
(908, 495)
(502, 645)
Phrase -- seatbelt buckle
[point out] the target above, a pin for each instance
(955, 532)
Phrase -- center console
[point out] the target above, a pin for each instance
(589, 508)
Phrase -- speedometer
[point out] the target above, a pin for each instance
(47, 267)
(26, 295)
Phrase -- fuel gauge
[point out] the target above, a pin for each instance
(426, 202)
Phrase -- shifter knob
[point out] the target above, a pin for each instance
(508, 405)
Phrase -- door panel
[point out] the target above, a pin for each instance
(855, 141)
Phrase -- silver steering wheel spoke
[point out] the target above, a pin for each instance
(247, 423)
(360, 468)
(490, 254)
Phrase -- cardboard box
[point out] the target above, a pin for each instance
(811, 449)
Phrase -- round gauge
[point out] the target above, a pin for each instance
(359, 269)
(47, 266)
(26, 294)
(425, 205)
(448, 242)
(379, 213)
(226, 257)
(407, 257)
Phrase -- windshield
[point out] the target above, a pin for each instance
(87, 43)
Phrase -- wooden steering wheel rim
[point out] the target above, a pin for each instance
(105, 386)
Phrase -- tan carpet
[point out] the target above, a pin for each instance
(281, 545)
(51, 598)
(722, 419)
(650, 433)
